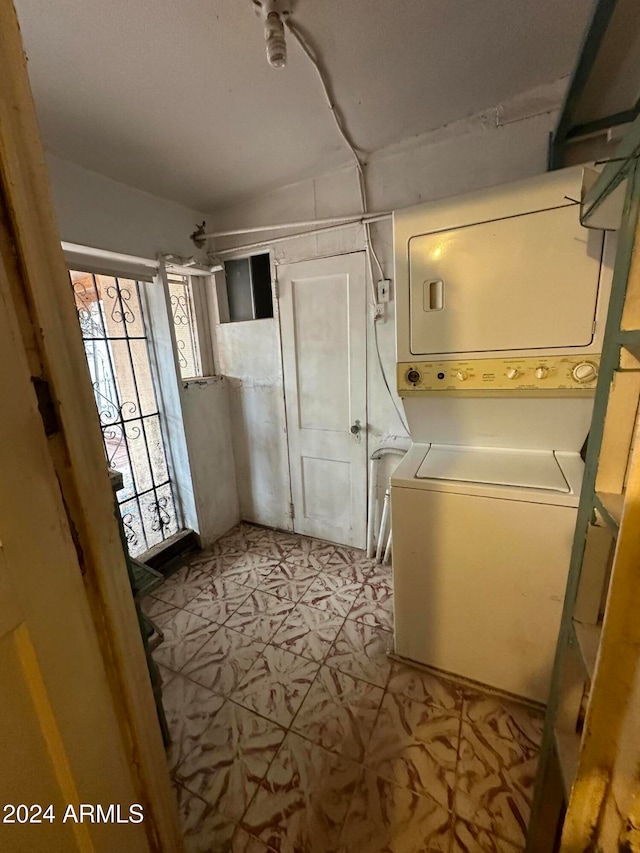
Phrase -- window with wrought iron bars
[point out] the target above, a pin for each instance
(116, 346)
(184, 323)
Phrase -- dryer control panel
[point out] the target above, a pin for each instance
(537, 375)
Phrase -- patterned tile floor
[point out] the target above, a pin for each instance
(292, 729)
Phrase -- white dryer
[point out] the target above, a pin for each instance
(501, 301)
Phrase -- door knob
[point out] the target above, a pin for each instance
(355, 428)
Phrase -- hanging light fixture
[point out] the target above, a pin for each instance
(274, 13)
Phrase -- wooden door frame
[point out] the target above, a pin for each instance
(52, 341)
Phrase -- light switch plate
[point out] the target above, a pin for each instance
(384, 290)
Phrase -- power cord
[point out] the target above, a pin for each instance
(384, 376)
(369, 248)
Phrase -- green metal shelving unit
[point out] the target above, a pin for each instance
(617, 186)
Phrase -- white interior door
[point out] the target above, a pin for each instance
(323, 326)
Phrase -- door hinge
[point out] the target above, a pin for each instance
(292, 511)
(46, 406)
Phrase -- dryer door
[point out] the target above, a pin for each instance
(524, 282)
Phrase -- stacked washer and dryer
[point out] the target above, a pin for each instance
(501, 300)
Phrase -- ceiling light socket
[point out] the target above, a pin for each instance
(274, 13)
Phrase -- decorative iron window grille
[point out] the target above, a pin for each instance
(116, 346)
(184, 323)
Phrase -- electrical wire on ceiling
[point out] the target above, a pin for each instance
(345, 136)
(369, 247)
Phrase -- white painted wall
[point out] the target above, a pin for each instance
(95, 211)
(205, 407)
(503, 144)
(249, 355)
(104, 214)
(198, 427)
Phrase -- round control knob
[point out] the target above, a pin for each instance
(584, 372)
(513, 373)
(542, 372)
(413, 376)
(461, 375)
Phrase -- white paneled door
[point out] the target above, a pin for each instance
(323, 327)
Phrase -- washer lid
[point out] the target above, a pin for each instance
(529, 469)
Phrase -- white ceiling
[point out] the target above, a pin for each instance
(176, 98)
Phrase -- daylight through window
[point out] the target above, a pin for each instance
(184, 323)
(116, 346)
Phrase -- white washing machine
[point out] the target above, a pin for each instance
(501, 301)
